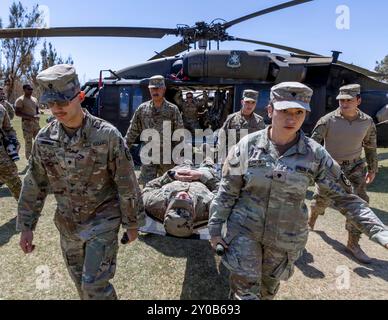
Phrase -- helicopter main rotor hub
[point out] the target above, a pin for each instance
(203, 31)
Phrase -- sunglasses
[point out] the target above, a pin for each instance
(62, 103)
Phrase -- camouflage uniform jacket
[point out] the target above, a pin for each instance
(238, 121)
(7, 129)
(265, 194)
(368, 140)
(158, 192)
(91, 176)
(149, 117)
(189, 109)
(8, 106)
(5, 123)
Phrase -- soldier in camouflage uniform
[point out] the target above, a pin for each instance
(8, 170)
(181, 197)
(345, 132)
(86, 164)
(27, 107)
(262, 193)
(9, 108)
(154, 114)
(191, 108)
(5, 103)
(245, 119)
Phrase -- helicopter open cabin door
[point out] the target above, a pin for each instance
(118, 103)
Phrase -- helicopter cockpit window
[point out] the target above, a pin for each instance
(137, 99)
(262, 103)
(124, 102)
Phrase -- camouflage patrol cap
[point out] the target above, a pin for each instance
(250, 95)
(178, 220)
(349, 92)
(287, 95)
(156, 82)
(59, 83)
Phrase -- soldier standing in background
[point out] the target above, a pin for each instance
(152, 115)
(11, 113)
(245, 119)
(6, 104)
(86, 164)
(27, 107)
(261, 199)
(191, 108)
(345, 132)
(8, 170)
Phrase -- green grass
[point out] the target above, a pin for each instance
(157, 267)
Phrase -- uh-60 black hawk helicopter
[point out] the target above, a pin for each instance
(224, 73)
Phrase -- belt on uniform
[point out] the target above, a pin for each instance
(347, 162)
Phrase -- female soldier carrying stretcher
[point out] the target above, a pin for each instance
(259, 214)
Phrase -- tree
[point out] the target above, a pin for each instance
(382, 67)
(20, 64)
(19, 53)
(50, 57)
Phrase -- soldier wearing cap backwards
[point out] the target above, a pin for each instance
(262, 193)
(86, 164)
(152, 115)
(181, 197)
(191, 108)
(345, 132)
(27, 107)
(246, 119)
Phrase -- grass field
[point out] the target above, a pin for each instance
(157, 267)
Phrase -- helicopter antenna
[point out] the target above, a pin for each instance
(336, 55)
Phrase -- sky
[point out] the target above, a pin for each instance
(311, 26)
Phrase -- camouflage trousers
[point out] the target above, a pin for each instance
(9, 174)
(92, 264)
(255, 269)
(355, 172)
(149, 172)
(30, 130)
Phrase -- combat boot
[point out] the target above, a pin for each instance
(244, 296)
(313, 218)
(355, 249)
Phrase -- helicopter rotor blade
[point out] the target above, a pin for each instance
(87, 32)
(173, 50)
(364, 71)
(265, 11)
(277, 46)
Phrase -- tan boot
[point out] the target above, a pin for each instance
(355, 249)
(313, 218)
